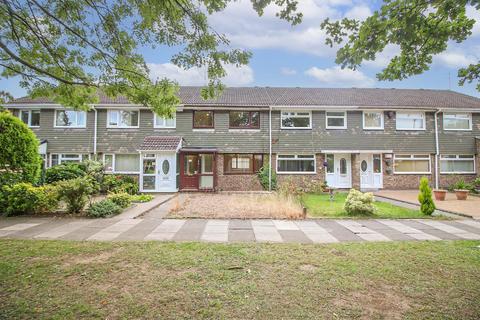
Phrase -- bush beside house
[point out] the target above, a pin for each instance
(427, 207)
(358, 203)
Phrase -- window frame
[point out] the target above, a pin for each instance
(29, 121)
(295, 115)
(203, 127)
(424, 118)
(249, 126)
(295, 158)
(252, 162)
(157, 126)
(412, 158)
(457, 158)
(76, 118)
(336, 117)
(110, 111)
(382, 120)
(114, 156)
(470, 118)
(61, 159)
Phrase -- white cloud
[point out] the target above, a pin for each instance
(360, 12)
(288, 71)
(337, 76)
(198, 76)
(473, 13)
(383, 58)
(455, 59)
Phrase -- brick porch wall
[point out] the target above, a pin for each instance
(301, 178)
(355, 170)
(236, 182)
(405, 181)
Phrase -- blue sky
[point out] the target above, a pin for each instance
(297, 56)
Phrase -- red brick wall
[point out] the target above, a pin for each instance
(300, 178)
(236, 182)
(405, 181)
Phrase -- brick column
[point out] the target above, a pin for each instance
(356, 171)
(477, 151)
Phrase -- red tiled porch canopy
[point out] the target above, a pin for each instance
(161, 143)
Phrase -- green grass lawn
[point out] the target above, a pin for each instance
(153, 280)
(319, 205)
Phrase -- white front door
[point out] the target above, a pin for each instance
(339, 170)
(159, 172)
(370, 171)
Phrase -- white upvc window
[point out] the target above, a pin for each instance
(410, 120)
(412, 164)
(164, 123)
(457, 164)
(70, 119)
(296, 164)
(59, 158)
(123, 118)
(296, 120)
(30, 117)
(373, 120)
(457, 121)
(122, 163)
(336, 119)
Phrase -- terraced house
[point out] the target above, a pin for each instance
(360, 138)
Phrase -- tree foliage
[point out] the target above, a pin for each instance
(19, 158)
(427, 206)
(420, 29)
(68, 49)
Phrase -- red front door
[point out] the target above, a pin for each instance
(197, 171)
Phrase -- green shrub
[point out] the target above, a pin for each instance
(119, 184)
(75, 192)
(141, 198)
(24, 198)
(289, 187)
(121, 199)
(103, 209)
(93, 168)
(358, 203)
(461, 185)
(427, 206)
(263, 177)
(63, 172)
(19, 158)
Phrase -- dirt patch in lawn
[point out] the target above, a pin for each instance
(240, 206)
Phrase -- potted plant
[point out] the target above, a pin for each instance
(461, 190)
(440, 194)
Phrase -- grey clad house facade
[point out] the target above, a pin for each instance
(351, 138)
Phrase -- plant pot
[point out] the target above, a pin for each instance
(461, 194)
(440, 194)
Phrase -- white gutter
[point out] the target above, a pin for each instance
(270, 148)
(437, 149)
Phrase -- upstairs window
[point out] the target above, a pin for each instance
(457, 121)
(336, 120)
(203, 119)
(457, 164)
(412, 163)
(70, 119)
(31, 118)
(296, 120)
(373, 120)
(244, 119)
(242, 163)
(122, 119)
(296, 164)
(410, 121)
(161, 122)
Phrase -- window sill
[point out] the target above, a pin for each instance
(457, 129)
(410, 173)
(410, 129)
(373, 129)
(463, 173)
(246, 130)
(309, 173)
(206, 130)
(336, 128)
(296, 128)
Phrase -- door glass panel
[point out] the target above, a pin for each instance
(165, 166)
(149, 166)
(377, 163)
(149, 183)
(343, 166)
(330, 163)
(364, 166)
(206, 182)
(191, 164)
(207, 163)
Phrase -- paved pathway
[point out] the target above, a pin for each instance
(302, 231)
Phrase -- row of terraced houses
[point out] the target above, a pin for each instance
(351, 138)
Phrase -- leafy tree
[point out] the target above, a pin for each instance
(67, 49)
(420, 28)
(427, 206)
(19, 158)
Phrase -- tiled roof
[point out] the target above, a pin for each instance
(160, 143)
(270, 96)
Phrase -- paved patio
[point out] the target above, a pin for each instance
(469, 207)
(300, 231)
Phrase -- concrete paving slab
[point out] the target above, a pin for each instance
(191, 231)
(465, 226)
(240, 224)
(452, 230)
(262, 222)
(408, 231)
(294, 236)
(338, 231)
(471, 223)
(166, 230)
(315, 233)
(29, 233)
(285, 225)
(237, 235)
(139, 231)
(86, 231)
(54, 233)
(114, 230)
(362, 231)
(215, 231)
(266, 233)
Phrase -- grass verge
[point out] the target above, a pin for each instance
(319, 205)
(152, 280)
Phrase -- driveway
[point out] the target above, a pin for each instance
(469, 207)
